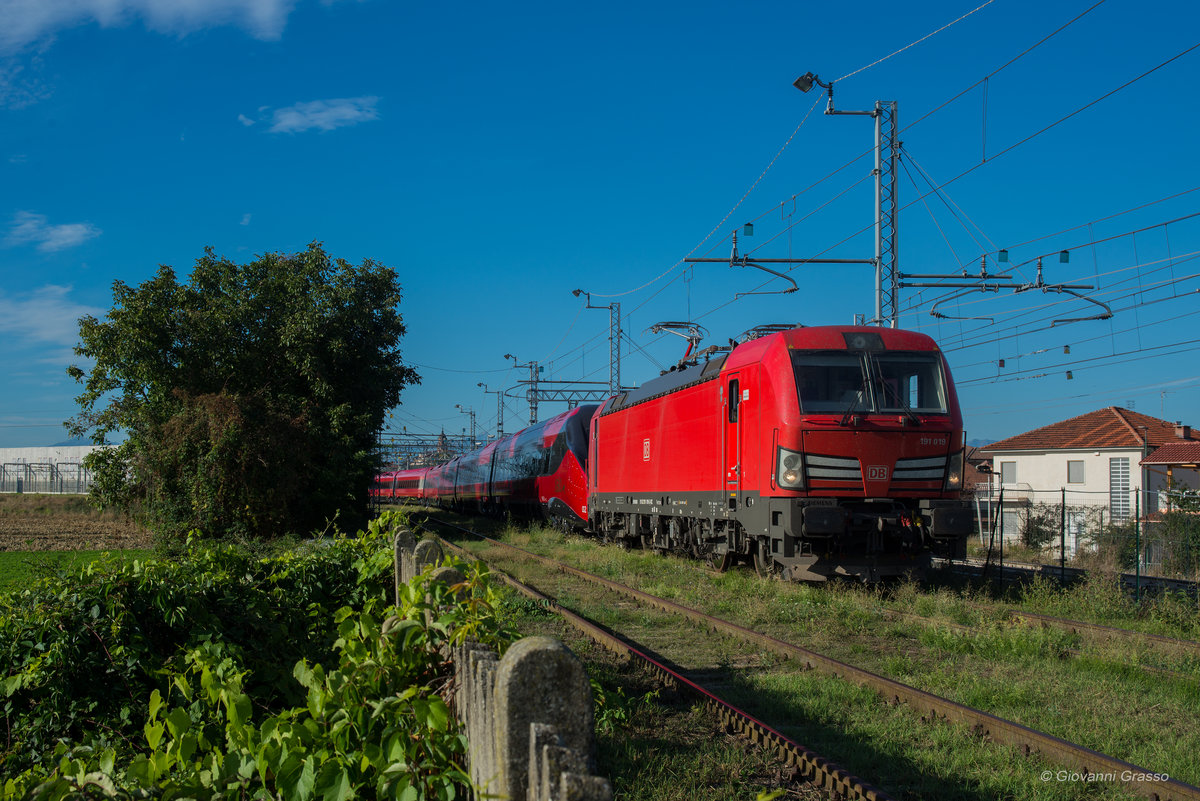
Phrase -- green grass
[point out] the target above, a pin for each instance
(20, 569)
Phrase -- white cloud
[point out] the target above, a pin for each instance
(324, 115)
(30, 21)
(45, 316)
(245, 219)
(21, 83)
(244, 120)
(29, 228)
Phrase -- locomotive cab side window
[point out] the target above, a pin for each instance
(735, 398)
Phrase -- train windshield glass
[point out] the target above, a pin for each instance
(831, 381)
(908, 382)
(841, 381)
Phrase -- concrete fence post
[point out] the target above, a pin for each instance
(528, 721)
(427, 552)
(402, 548)
(540, 681)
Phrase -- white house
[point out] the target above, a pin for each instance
(1091, 465)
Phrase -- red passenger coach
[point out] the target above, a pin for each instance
(538, 472)
(541, 470)
(812, 452)
(400, 485)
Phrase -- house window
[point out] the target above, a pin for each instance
(1118, 488)
(1075, 472)
(1008, 472)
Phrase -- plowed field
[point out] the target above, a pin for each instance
(64, 523)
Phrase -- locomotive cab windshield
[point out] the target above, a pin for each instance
(869, 382)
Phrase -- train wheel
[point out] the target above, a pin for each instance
(720, 562)
(764, 561)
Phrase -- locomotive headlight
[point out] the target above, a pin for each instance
(790, 473)
(954, 473)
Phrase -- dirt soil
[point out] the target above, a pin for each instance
(64, 523)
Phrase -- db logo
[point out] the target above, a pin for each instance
(877, 473)
(645, 450)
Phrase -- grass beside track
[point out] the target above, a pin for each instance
(1100, 699)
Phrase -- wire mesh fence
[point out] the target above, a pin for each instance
(65, 478)
(1155, 533)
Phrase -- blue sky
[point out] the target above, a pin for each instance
(499, 156)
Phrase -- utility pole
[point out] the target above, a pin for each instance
(499, 393)
(531, 394)
(614, 339)
(887, 241)
(470, 413)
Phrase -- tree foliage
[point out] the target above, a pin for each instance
(220, 674)
(249, 396)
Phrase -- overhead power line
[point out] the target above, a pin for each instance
(917, 42)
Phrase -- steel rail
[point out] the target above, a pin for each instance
(1106, 632)
(931, 622)
(805, 763)
(975, 566)
(1088, 762)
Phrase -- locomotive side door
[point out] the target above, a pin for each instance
(732, 450)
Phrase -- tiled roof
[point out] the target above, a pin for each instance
(1113, 427)
(1175, 453)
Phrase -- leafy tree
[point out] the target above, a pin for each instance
(1041, 525)
(249, 397)
(1180, 531)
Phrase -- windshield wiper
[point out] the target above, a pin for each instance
(860, 395)
(904, 405)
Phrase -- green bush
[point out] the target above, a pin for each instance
(204, 678)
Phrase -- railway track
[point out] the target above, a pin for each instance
(806, 765)
(1101, 632)
(1023, 571)
(1073, 626)
(1078, 759)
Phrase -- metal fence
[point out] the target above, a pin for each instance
(65, 478)
(1135, 530)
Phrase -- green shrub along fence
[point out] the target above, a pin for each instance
(222, 675)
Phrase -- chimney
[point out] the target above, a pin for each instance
(1182, 431)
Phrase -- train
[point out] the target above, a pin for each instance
(809, 453)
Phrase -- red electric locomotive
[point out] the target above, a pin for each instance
(812, 452)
